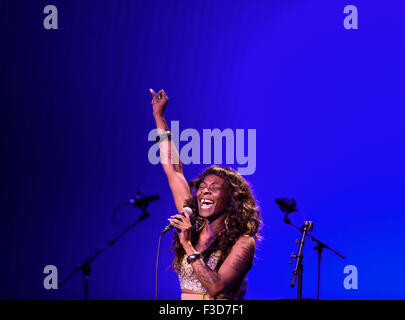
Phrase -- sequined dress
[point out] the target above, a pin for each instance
(189, 280)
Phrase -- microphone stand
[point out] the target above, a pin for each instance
(298, 269)
(85, 266)
(318, 247)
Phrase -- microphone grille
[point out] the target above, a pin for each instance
(188, 210)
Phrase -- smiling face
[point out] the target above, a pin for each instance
(212, 196)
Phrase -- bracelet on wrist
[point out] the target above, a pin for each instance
(163, 136)
(193, 257)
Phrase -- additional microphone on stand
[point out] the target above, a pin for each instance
(140, 200)
(187, 209)
(287, 206)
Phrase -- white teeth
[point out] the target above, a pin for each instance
(206, 201)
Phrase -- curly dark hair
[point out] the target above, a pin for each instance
(243, 216)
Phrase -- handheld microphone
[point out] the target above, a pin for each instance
(169, 227)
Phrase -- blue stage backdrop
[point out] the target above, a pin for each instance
(326, 104)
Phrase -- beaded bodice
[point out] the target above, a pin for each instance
(188, 278)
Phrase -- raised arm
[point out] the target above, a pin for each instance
(169, 155)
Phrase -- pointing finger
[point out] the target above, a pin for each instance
(152, 92)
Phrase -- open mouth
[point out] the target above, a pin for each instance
(206, 203)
